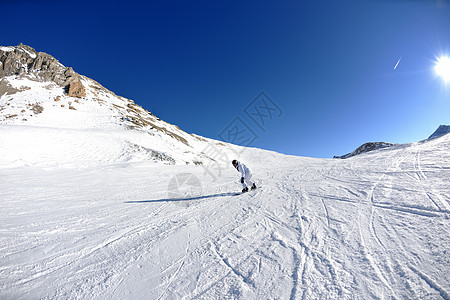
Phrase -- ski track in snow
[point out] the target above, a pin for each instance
(374, 226)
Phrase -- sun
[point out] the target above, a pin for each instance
(442, 68)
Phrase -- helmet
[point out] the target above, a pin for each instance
(234, 162)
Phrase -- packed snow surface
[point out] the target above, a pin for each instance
(375, 226)
(40, 125)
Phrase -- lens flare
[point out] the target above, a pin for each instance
(442, 68)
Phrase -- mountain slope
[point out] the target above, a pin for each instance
(373, 227)
(61, 117)
(371, 146)
(442, 129)
(84, 215)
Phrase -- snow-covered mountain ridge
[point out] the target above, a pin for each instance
(371, 146)
(67, 111)
(440, 131)
(367, 147)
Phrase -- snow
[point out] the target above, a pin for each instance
(94, 132)
(32, 55)
(6, 49)
(374, 226)
(88, 210)
(10, 49)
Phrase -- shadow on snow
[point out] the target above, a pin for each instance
(182, 199)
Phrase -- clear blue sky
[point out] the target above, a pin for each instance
(329, 65)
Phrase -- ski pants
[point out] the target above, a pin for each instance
(247, 181)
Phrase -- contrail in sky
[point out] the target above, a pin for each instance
(396, 65)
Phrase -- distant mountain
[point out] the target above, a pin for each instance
(367, 147)
(371, 146)
(61, 116)
(442, 129)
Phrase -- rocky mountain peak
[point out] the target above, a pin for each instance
(25, 61)
(442, 129)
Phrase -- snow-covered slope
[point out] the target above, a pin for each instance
(85, 213)
(50, 123)
(374, 226)
(371, 146)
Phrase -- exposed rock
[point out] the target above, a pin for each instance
(16, 60)
(24, 60)
(37, 108)
(6, 88)
(76, 89)
(49, 68)
(10, 116)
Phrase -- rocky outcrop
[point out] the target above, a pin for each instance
(15, 60)
(76, 89)
(24, 60)
(6, 88)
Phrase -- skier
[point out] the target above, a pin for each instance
(246, 175)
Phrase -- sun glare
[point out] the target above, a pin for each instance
(442, 68)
